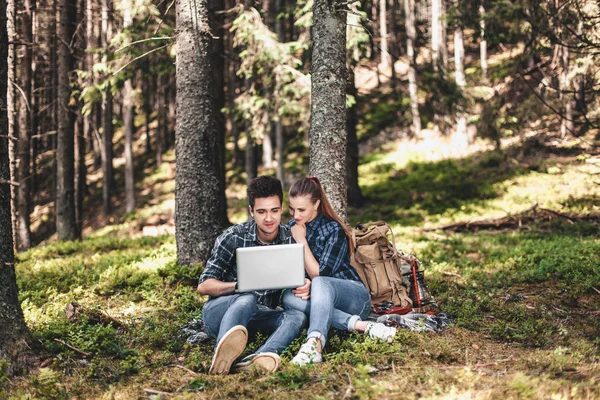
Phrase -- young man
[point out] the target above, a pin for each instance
(229, 316)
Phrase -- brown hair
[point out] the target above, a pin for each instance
(310, 186)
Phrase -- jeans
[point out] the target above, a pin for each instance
(222, 313)
(333, 301)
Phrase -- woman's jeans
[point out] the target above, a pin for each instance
(333, 301)
(222, 313)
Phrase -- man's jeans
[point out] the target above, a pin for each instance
(333, 301)
(222, 313)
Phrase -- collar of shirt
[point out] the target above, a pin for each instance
(282, 236)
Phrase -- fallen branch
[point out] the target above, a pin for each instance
(516, 221)
(183, 368)
(152, 391)
(596, 290)
(72, 347)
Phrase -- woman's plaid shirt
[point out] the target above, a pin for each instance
(329, 245)
(222, 262)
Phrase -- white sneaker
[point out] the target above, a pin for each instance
(263, 362)
(378, 330)
(308, 354)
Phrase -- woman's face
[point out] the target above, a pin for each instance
(303, 209)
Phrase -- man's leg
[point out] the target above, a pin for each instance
(226, 318)
(281, 326)
(223, 313)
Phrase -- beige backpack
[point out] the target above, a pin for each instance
(379, 264)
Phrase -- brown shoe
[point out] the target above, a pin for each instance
(263, 362)
(230, 347)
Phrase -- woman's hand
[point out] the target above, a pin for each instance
(299, 233)
(303, 291)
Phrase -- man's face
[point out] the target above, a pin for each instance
(267, 214)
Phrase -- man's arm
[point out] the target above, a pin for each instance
(211, 281)
(215, 287)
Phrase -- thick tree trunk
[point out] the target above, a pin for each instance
(197, 191)
(129, 116)
(217, 21)
(328, 101)
(459, 61)
(355, 196)
(483, 47)
(107, 116)
(411, 37)
(23, 148)
(11, 106)
(66, 224)
(16, 344)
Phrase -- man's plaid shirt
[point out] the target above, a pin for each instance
(222, 262)
(329, 245)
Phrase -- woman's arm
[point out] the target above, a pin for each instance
(310, 263)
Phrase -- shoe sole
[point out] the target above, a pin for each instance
(264, 362)
(230, 347)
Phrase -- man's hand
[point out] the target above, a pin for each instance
(299, 233)
(303, 291)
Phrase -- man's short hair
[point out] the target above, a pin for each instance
(264, 186)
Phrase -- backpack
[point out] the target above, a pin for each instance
(393, 278)
(378, 264)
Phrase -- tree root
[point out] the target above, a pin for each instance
(516, 221)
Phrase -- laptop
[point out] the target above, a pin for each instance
(278, 266)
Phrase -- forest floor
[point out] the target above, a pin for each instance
(524, 295)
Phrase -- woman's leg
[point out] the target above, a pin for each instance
(337, 302)
(291, 302)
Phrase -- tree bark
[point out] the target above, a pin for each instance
(129, 116)
(16, 344)
(411, 37)
(197, 178)
(328, 101)
(66, 225)
(107, 115)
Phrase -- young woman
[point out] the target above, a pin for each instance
(337, 295)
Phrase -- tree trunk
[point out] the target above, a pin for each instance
(267, 144)
(23, 147)
(328, 101)
(66, 224)
(385, 54)
(107, 116)
(197, 191)
(459, 66)
(161, 119)
(279, 138)
(129, 116)
(483, 47)
(355, 196)
(217, 21)
(11, 105)
(566, 122)
(16, 344)
(411, 37)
